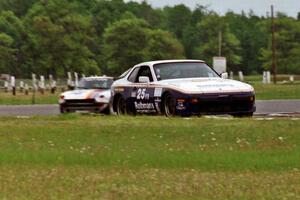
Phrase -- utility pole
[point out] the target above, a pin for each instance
(220, 43)
(274, 67)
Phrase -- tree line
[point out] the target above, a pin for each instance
(108, 37)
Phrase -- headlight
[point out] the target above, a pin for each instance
(99, 99)
(61, 99)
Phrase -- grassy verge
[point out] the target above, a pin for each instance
(22, 99)
(73, 157)
(279, 91)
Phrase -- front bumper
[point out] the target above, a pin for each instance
(83, 105)
(214, 104)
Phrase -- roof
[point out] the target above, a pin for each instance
(168, 61)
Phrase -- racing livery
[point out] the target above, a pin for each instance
(180, 87)
(92, 94)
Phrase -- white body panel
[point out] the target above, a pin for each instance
(87, 94)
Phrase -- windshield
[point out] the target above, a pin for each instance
(125, 73)
(183, 70)
(95, 83)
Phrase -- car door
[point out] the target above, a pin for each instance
(141, 94)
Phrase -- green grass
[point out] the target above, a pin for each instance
(22, 99)
(279, 91)
(82, 157)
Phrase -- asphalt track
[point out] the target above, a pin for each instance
(270, 107)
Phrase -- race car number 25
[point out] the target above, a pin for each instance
(141, 94)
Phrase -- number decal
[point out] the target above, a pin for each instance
(141, 93)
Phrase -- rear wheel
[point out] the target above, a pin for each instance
(121, 106)
(169, 105)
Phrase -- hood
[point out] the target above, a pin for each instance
(85, 94)
(208, 85)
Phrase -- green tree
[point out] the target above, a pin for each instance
(252, 37)
(7, 53)
(13, 34)
(143, 10)
(208, 30)
(190, 36)
(19, 7)
(60, 39)
(161, 45)
(178, 17)
(124, 43)
(131, 41)
(287, 45)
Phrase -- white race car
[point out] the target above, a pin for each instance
(92, 94)
(180, 87)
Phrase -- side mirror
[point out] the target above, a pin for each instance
(144, 79)
(224, 75)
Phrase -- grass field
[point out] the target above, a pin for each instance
(279, 91)
(84, 157)
(22, 99)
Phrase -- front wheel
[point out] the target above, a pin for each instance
(62, 110)
(169, 105)
(121, 106)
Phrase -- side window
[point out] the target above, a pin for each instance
(132, 77)
(144, 71)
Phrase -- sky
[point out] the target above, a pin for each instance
(260, 7)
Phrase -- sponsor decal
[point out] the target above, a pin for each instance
(180, 106)
(157, 99)
(119, 89)
(157, 92)
(133, 94)
(215, 85)
(157, 107)
(144, 106)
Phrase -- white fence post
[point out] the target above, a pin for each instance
(268, 74)
(26, 89)
(241, 76)
(76, 79)
(231, 74)
(42, 84)
(13, 85)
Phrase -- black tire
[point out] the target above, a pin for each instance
(107, 111)
(169, 105)
(121, 106)
(62, 110)
(243, 115)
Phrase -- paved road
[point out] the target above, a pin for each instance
(278, 106)
(263, 107)
(29, 110)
